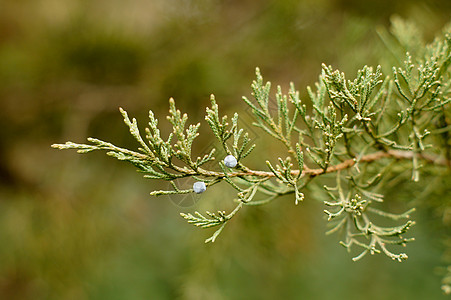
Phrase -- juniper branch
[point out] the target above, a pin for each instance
(357, 129)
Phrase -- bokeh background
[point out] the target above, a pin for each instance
(85, 227)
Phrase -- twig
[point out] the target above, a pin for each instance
(396, 154)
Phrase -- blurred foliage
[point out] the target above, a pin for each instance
(80, 228)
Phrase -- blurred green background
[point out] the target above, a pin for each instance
(84, 227)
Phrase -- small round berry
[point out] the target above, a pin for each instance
(230, 161)
(199, 187)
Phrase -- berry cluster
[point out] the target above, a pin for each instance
(200, 187)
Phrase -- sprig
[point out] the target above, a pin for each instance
(219, 219)
(360, 131)
(352, 215)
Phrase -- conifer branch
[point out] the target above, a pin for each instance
(355, 130)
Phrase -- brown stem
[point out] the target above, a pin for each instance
(396, 154)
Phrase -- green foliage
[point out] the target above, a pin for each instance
(361, 132)
(353, 216)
